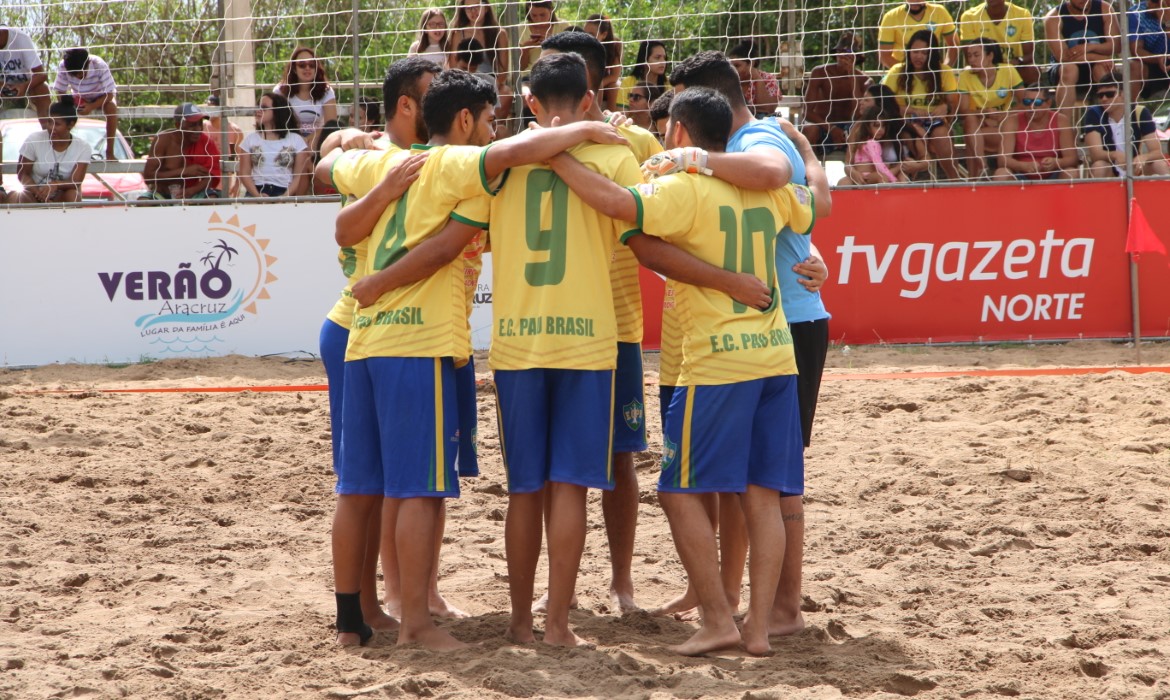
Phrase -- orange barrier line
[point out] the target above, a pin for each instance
(1045, 372)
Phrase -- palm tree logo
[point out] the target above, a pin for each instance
(224, 249)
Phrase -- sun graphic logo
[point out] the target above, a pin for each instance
(255, 269)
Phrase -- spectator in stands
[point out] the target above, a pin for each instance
(1103, 130)
(475, 19)
(215, 126)
(871, 158)
(369, 115)
(903, 21)
(432, 41)
(897, 129)
(22, 74)
(1149, 48)
(1038, 141)
(660, 114)
(1082, 37)
(53, 162)
(183, 162)
(468, 56)
(925, 88)
(600, 27)
(832, 92)
(312, 99)
(760, 89)
(640, 96)
(1008, 25)
(274, 158)
(540, 22)
(649, 67)
(988, 88)
(88, 79)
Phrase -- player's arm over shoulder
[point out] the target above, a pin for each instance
(797, 206)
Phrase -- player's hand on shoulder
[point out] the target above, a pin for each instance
(365, 291)
(676, 160)
(600, 132)
(356, 139)
(403, 174)
(617, 119)
(812, 273)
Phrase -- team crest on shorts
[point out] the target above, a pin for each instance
(669, 451)
(633, 413)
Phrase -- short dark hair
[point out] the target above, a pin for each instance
(710, 69)
(64, 108)
(990, 46)
(402, 79)
(371, 109)
(471, 52)
(585, 46)
(706, 114)
(559, 80)
(660, 108)
(451, 93)
(1110, 79)
(744, 50)
(75, 60)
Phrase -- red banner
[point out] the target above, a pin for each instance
(1154, 270)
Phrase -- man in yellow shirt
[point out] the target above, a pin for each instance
(1008, 25)
(900, 23)
(734, 423)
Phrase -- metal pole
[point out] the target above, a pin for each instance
(357, 74)
(221, 92)
(1127, 125)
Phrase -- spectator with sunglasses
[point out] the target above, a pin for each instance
(1104, 133)
(1038, 140)
(1149, 47)
(310, 96)
(832, 94)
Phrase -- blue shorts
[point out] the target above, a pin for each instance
(629, 400)
(333, 339)
(400, 428)
(665, 394)
(556, 425)
(720, 439)
(468, 419)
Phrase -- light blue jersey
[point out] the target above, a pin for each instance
(799, 304)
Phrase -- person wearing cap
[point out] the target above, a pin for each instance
(22, 74)
(89, 80)
(184, 162)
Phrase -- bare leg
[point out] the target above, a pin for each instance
(372, 611)
(350, 520)
(695, 541)
(110, 109)
(418, 519)
(683, 607)
(620, 508)
(390, 557)
(540, 607)
(761, 508)
(38, 97)
(786, 617)
(522, 538)
(733, 547)
(566, 542)
(438, 604)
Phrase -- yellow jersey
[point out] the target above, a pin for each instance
(897, 26)
(427, 318)
(996, 98)
(723, 341)
(670, 351)
(920, 94)
(552, 302)
(623, 272)
(353, 258)
(1012, 33)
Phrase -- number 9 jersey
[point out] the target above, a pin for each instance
(552, 301)
(724, 341)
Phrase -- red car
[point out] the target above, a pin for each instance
(13, 133)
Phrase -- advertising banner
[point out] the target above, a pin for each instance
(118, 285)
(1153, 269)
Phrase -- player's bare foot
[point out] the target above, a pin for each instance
(755, 637)
(709, 639)
(685, 602)
(623, 600)
(349, 639)
(540, 607)
(520, 632)
(565, 638)
(433, 638)
(784, 625)
(440, 608)
(379, 621)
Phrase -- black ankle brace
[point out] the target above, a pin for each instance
(349, 616)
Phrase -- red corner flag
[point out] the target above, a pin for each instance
(1141, 238)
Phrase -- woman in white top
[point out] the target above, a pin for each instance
(274, 158)
(312, 100)
(431, 43)
(53, 162)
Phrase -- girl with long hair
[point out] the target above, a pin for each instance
(310, 96)
(601, 28)
(274, 158)
(433, 40)
(925, 88)
(988, 89)
(649, 67)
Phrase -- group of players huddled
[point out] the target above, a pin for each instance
(568, 209)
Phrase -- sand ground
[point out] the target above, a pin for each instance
(968, 537)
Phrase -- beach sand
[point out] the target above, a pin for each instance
(968, 537)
